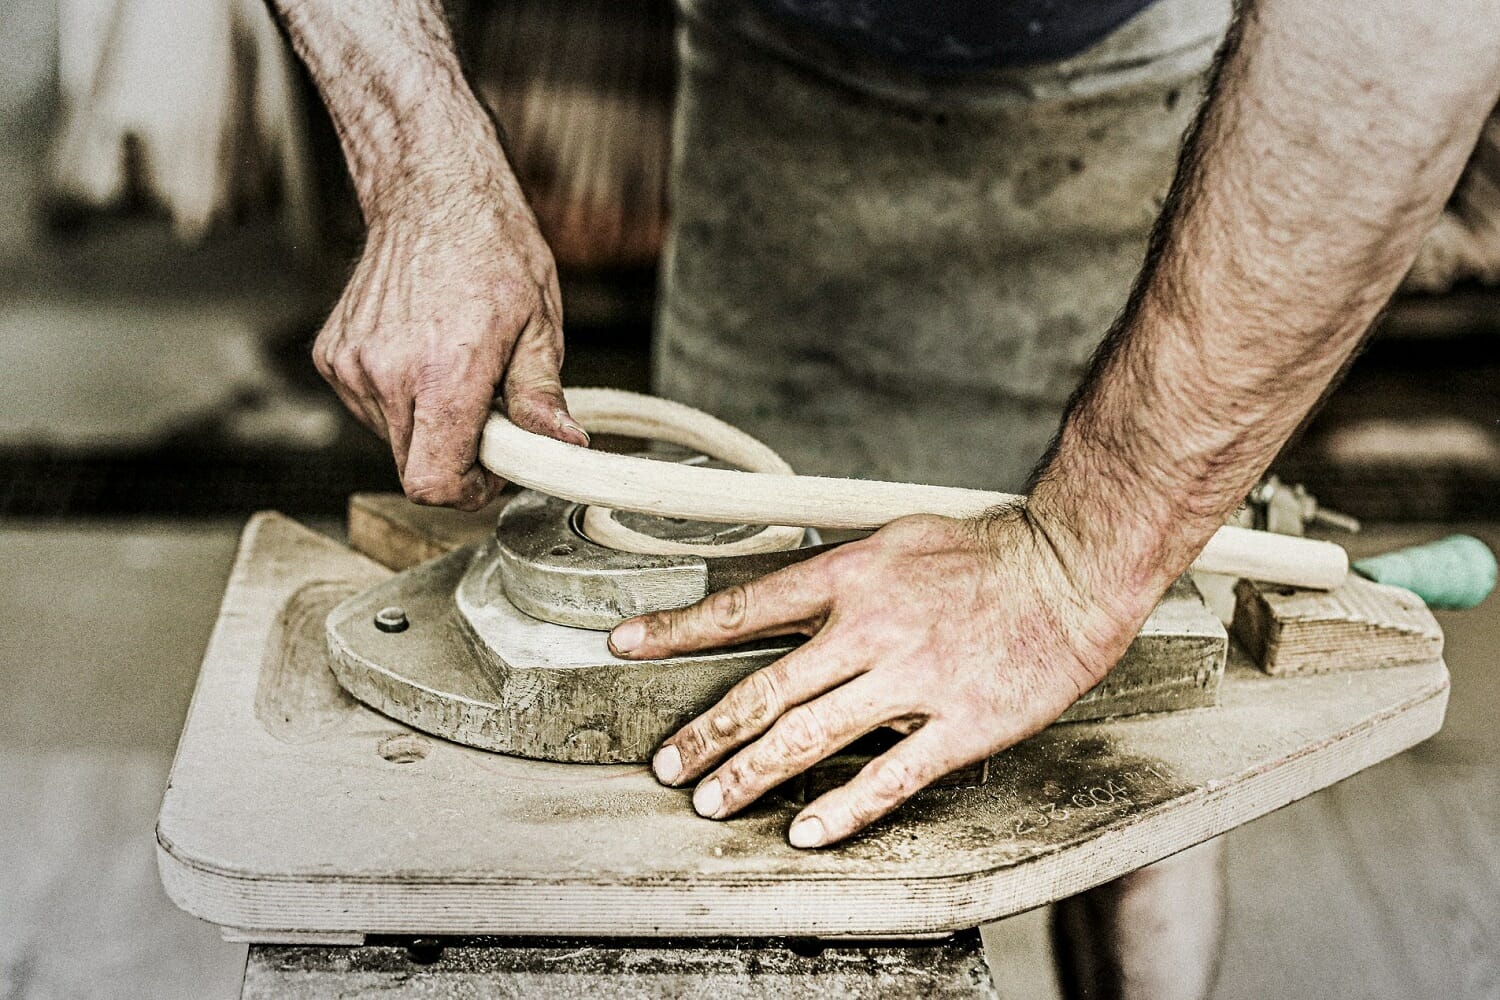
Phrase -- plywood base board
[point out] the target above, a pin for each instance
(292, 807)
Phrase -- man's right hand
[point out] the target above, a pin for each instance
(454, 301)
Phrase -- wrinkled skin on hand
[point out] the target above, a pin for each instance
(453, 302)
(968, 636)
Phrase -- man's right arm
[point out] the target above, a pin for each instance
(1334, 131)
(455, 297)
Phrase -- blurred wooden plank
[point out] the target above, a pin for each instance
(399, 534)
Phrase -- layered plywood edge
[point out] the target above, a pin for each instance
(1360, 625)
(292, 808)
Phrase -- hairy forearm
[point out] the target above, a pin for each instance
(1333, 133)
(391, 78)
(454, 303)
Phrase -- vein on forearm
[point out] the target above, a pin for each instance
(1331, 136)
(395, 89)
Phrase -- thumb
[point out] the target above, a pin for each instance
(441, 467)
(532, 388)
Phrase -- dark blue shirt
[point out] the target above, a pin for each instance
(959, 36)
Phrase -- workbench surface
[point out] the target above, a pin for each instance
(294, 808)
(1387, 884)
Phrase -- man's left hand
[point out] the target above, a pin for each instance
(967, 636)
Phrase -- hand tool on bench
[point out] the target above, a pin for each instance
(449, 752)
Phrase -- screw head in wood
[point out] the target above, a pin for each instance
(391, 619)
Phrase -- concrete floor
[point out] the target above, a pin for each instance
(1386, 885)
(104, 628)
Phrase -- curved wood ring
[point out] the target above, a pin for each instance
(606, 411)
(721, 495)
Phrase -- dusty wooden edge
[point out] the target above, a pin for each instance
(721, 495)
(494, 904)
(1358, 626)
(724, 968)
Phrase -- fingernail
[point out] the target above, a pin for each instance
(806, 832)
(667, 764)
(708, 799)
(627, 636)
(573, 429)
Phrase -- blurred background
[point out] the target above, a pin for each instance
(175, 221)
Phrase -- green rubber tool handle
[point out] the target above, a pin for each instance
(1456, 572)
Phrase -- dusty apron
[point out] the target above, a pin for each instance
(894, 276)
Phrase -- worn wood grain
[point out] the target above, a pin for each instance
(1360, 625)
(399, 534)
(372, 828)
(624, 970)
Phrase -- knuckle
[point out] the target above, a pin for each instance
(722, 725)
(345, 368)
(321, 359)
(748, 774)
(802, 732)
(433, 491)
(669, 629)
(907, 532)
(853, 560)
(537, 356)
(536, 391)
(728, 610)
(692, 742)
(742, 774)
(760, 698)
(658, 625)
(381, 368)
(893, 780)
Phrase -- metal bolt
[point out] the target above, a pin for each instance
(1333, 519)
(391, 619)
(1265, 490)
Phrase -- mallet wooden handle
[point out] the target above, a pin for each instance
(720, 495)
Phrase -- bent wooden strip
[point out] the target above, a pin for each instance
(671, 490)
(612, 412)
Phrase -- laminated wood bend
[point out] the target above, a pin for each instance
(780, 498)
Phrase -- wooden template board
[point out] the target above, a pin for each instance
(295, 813)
